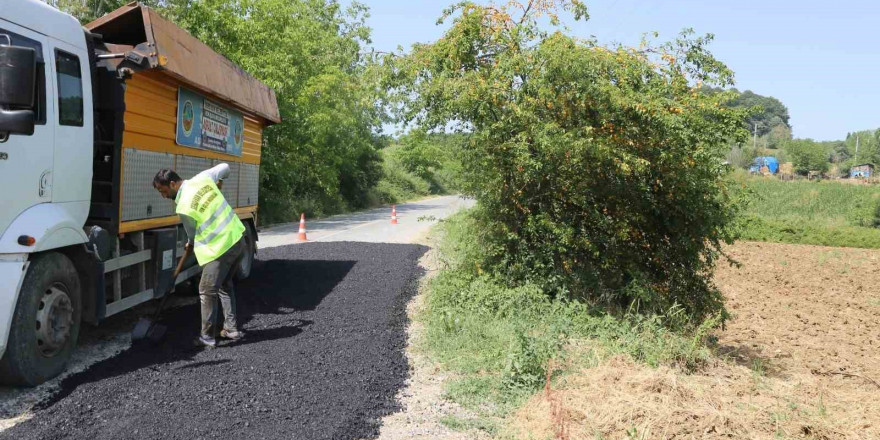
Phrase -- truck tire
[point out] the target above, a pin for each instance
(247, 259)
(46, 323)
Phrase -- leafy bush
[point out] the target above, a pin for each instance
(431, 157)
(528, 357)
(599, 171)
(500, 339)
(397, 184)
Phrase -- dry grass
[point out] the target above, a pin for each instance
(798, 361)
(621, 400)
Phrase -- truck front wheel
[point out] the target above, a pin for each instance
(45, 326)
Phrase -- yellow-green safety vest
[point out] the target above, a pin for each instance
(217, 226)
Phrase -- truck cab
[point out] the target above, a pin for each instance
(46, 155)
(59, 148)
(87, 115)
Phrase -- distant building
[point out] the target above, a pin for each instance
(764, 165)
(864, 170)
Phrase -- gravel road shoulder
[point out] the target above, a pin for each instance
(423, 406)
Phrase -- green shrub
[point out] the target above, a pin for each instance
(290, 209)
(599, 171)
(528, 358)
(431, 157)
(398, 185)
(499, 340)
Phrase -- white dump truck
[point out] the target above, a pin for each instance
(88, 115)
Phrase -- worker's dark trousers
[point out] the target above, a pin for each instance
(217, 279)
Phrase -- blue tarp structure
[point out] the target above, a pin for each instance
(865, 170)
(770, 162)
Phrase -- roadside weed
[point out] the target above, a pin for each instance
(499, 340)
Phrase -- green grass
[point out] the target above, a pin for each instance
(824, 213)
(498, 340)
(461, 424)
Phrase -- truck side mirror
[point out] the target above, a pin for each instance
(18, 73)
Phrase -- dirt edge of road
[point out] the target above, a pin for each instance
(424, 406)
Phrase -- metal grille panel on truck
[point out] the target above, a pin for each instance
(248, 190)
(230, 185)
(188, 166)
(139, 199)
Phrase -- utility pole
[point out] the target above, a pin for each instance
(856, 161)
(755, 142)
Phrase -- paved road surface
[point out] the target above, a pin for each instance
(372, 226)
(323, 357)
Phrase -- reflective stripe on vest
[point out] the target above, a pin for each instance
(211, 219)
(219, 229)
(217, 226)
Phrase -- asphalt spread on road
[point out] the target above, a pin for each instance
(323, 358)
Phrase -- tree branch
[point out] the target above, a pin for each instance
(526, 12)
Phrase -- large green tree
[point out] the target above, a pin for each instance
(771, 112)
(767, 122)
(598, 170)
(323, 157)
(808, 155)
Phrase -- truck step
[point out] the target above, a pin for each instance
(102, 192)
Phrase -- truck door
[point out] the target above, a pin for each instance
(26, 162)
(73, 125)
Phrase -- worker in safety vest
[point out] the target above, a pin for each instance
(215, 235)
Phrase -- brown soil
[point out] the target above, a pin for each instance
(798, 360)
(801, 309)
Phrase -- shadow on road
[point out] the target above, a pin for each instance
(278, 285)
(274, 291)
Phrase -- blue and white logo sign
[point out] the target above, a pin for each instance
(202, 123)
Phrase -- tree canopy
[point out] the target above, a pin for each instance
(808, 155)
(323, 157)
(598, 170)
(771, 113)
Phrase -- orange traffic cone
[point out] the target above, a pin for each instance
(393, 214)
(302, 227)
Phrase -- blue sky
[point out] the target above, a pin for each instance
(820, 58)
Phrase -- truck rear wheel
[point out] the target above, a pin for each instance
(247, 260)
(46, 323)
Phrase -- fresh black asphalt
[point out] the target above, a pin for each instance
(323, 358)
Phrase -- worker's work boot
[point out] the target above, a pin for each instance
(207, 341)
(231, 334)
